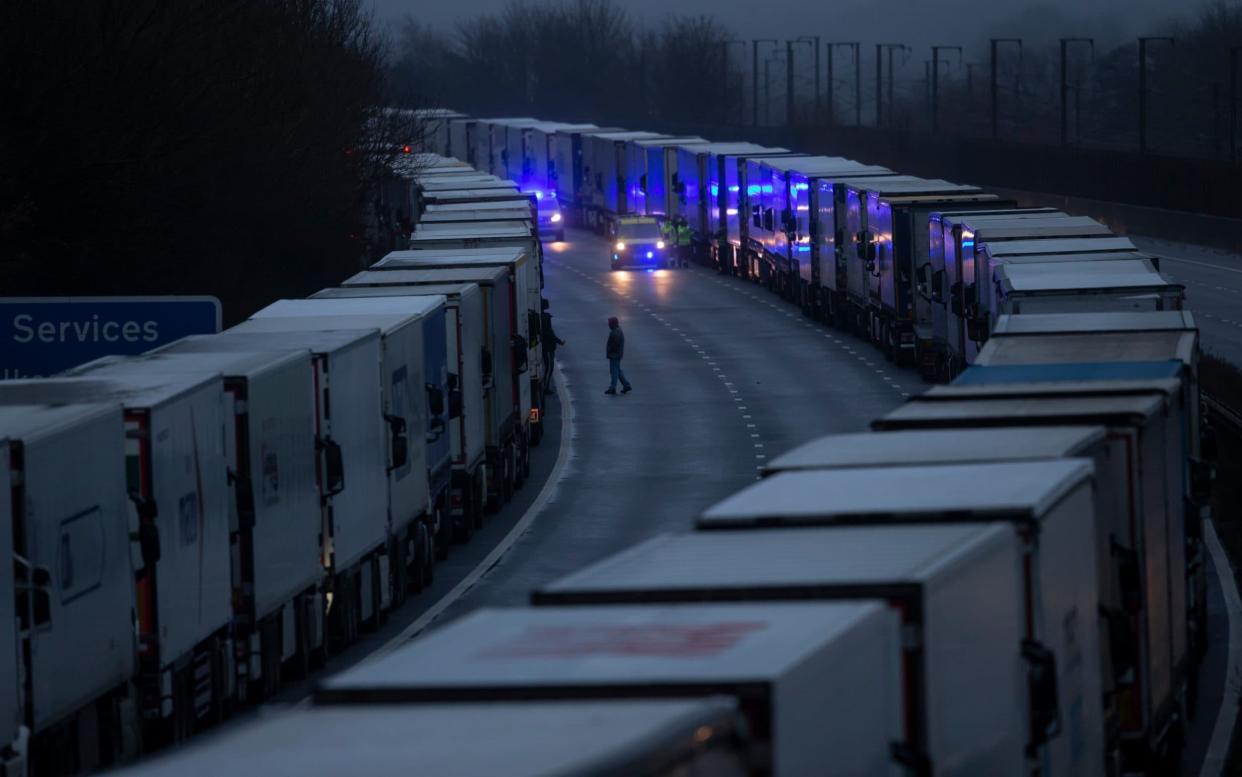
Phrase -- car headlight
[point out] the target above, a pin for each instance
(659, 244)
(556, 217)
(620, 246)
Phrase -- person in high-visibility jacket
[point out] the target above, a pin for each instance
(683, 241)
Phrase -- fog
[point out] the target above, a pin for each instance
(919, 24)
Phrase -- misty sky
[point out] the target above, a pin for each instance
(916, 22)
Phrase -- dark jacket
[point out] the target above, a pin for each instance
(548, 334)
(616, 343)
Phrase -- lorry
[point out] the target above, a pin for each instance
(606, 188)
(274, 518)
(1048, 509)
(1110, 338)
(508, 408)
(350, 441)
(929, 575)
(648, 173)
(783, 228)
(434, 127)
(176, 474)
(818, 682)
(497, 244)
(568, 159)
(465, 332)
(890, 254)
(727, 221)
(1145, 599)
(693, 195)
(414, 385)
(68, 582)
(641, 737)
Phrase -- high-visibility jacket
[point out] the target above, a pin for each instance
(683, 235)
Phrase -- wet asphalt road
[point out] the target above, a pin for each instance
(724, 374)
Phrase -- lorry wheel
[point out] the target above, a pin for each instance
(428, 561)
(478, 497)
(444, 534)
(509, 475)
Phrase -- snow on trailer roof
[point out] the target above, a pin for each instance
(772, 564)
(1037, 227)
(534, 739)
(685, 140)
(968, 411)
(1054, 277)
(909, 188)
(468, 216)
(809, 165)
(486, 274)
(467, 183)
(173, 359)
(466, 230)
(936, 447)
(47, 417)
(989, 491)
(1124, 375)
(1072, 245)
(615, 651)
(1129, 380)
(1124, 321)
(735, 147)
(989, 216)
(317, 341)
(629, 135)
(365, 309)
(449, 290)
(472, 194)
(1161, 345)
(449, 257)
(132, 385)
(521, 201)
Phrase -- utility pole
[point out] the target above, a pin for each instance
(879, 82)
(1065, 86)
(1233, 102)
(995, 89)
(818, 108)
(889, 46)
(754, 78)
(789, 73)
(724, 72)
(1142, 117)
(857, 85)
(789, 84)
(935, 82)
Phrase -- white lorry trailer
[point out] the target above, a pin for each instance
(350, 445)
(68, 648)
(177, 475)
(818, 681)
(955, 644)
(1049, 506)
(638, 738)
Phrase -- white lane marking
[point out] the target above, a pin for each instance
(1202, 264)
(536, 507)
(1222, 730)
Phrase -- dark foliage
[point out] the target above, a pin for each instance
(184, 146)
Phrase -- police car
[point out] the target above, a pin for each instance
(640, 244)
(551, 222)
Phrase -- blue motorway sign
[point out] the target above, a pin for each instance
(42, 336)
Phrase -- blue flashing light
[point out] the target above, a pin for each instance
(767, 188)
(752, 190)
(538, 195)
(650, 254)
(735, 188)
(650, 269)
(800, 187)
(715, 190)
(802, 249)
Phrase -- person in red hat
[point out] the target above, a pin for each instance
(615, 351)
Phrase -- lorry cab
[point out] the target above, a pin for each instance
(640, 244)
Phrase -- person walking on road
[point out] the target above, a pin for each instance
(615, 351)
(547, 336)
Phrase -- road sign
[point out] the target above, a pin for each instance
(42, 336)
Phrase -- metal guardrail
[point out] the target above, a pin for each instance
(1221, 414)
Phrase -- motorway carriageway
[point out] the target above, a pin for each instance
(726, 376)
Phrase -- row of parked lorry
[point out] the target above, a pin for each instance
(190, 527)
(1005, 577)
(921, 267)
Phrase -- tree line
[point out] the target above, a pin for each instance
(187, 146)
